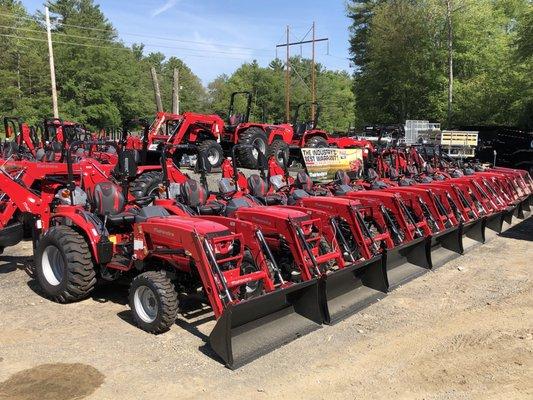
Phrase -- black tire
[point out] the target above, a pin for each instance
(145, 184)
(254, 288)
(213, 152)
(277, 149)
(64, 266)
(325, 248)
(253, 135)
(317, 142)
(165, 301)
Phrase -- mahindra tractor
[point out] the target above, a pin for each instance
(214, 136)
(21, 139)
(88, 228)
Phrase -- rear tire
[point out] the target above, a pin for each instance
(253, 136)
(153, 302)
(146, 184)
(277, 149)
(64, 267)
(213, 152)
(317, 142)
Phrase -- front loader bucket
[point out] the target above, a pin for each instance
(526, 207)
(522, 210)
(508, 218)
(445, 246)
(353, 288)
(407, 261)
(495, 223)
(473, 233)
(252, 328)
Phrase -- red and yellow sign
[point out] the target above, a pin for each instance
(322, 163)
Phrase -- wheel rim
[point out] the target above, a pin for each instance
(145, 303)
(279, 157)
(252, 286)
(260, 143)
(213, 156)
(53, 265)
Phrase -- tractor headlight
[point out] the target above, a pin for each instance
(65, 195)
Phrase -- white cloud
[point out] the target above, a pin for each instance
(167, 6)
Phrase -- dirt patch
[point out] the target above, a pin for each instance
(52, 382)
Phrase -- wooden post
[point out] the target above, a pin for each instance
(313, 78)
(176, 92)
(450, 60)
(52, 65)
(157, 91)
(287, 83)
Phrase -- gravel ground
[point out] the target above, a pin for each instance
(464, 331)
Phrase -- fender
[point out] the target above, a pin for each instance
(91, 228)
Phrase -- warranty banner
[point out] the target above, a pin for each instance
(322, 163)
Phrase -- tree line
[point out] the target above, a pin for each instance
(401, 49)
(102, 82)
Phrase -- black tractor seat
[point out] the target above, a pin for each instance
(195, 196)
(109, 203)
(344, 183)
(304, 182)
(259, 189)
(373, 179)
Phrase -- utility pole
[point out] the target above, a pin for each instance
(52, 65)
(287, 83)
(176, 92)
(157, 91)
(313, 83)
(449, 24)
(287, 71)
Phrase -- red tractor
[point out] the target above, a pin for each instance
(87, 227)
(215, 137)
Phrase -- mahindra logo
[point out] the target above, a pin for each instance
(163, 232)
(261, 221)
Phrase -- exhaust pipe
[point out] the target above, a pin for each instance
(408, 261)
(446, 246)
(252, 328)
(353, 288)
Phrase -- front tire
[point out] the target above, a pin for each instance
(278, 149)
(64, 267)
(213, 152)
(256, 137)
(254, 288)
(153, 301)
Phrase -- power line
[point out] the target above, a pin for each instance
(111, 41)
(118, 47)
(165, 38)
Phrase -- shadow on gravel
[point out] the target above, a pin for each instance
(521, 231)
(110, 292)
(192, 314)
(12, 263)
(52, 381)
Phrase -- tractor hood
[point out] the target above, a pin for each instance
(328, 204)
(270, 216)
(174, 226)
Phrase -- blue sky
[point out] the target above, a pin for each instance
(215, 37)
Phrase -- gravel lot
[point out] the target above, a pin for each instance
(463, 331)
